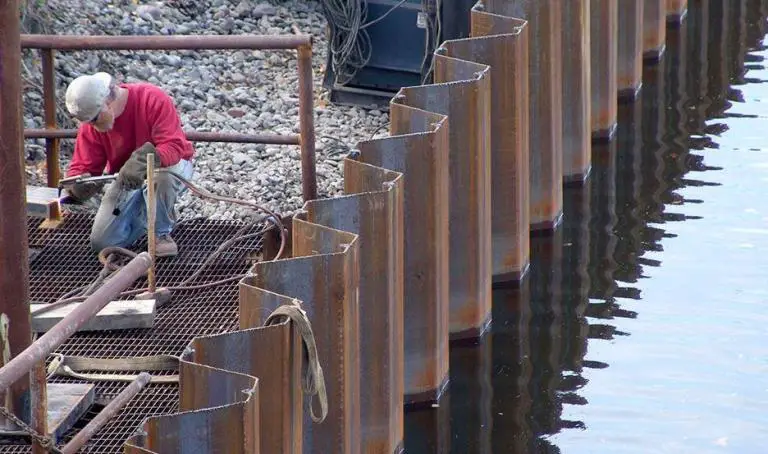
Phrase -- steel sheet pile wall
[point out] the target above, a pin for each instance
(577, 91)
(676, 11)
(654, 28)
(629, 70)
(223, 406)
(385, 283)
(604, 47)
(545, 103)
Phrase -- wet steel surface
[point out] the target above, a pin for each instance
(654, 29)
(373, 209)
(545, 104)
(604, 50)
(642, 325)
(577, 91)
(417, 147)
(497, 40)
(629, 67)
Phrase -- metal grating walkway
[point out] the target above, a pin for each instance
(65, 262)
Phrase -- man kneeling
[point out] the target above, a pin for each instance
(119, 125)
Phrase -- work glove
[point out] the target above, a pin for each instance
(134, 172)
(81, 192)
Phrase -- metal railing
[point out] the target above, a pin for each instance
(47, 44)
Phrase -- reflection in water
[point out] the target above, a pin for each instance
(543, 379)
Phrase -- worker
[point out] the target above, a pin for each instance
(120, 123)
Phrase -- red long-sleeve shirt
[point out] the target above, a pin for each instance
(149, 116)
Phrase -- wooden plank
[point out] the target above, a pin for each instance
(67, 403)
(115, 315)
(42, 201)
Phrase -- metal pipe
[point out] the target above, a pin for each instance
(306, 124)
(151, 220)
(80, 315)
(14, 260)
(195, 136)
(176, 42)
(49, 110)
(109, 412)
(39, 384)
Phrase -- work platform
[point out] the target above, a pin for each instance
(65, 262)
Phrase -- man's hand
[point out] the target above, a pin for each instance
(133, 173)
(84, 191)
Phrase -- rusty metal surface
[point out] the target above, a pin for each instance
(194, 136)
(676, 11)
(604, 47)
(281, 401)
(577, 91)
(175, 42)
(323, 274)
(307, 123)
(629, 69)
(501, 43)
(373, 209)
(49, 110)
(545, 103)
(654, 29)
(39, 398)
(462, 93)
(218, 412)
(14, 278)
(239, 393)
(418, 148)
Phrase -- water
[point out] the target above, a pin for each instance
(642, 327)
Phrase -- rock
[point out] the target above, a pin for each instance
(243, 9)
(263, 9)
(149, 12)
(239, 159)
(215, 116)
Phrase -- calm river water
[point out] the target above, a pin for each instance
(643, 325)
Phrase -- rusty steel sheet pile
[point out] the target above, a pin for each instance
(604, 54)
(544, 18)
(418, 148)
(461, 92)
(496, 41)
(323, 274)
(577, 92)
(239, 393)
(676, 11)
(654, 29)
(629, 68)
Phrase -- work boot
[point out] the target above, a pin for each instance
(166, 247)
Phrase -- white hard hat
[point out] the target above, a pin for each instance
(86, 95)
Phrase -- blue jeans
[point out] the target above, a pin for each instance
(122, 216)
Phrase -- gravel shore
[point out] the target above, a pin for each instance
(228, 91)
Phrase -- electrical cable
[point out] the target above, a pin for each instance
(350, 44)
